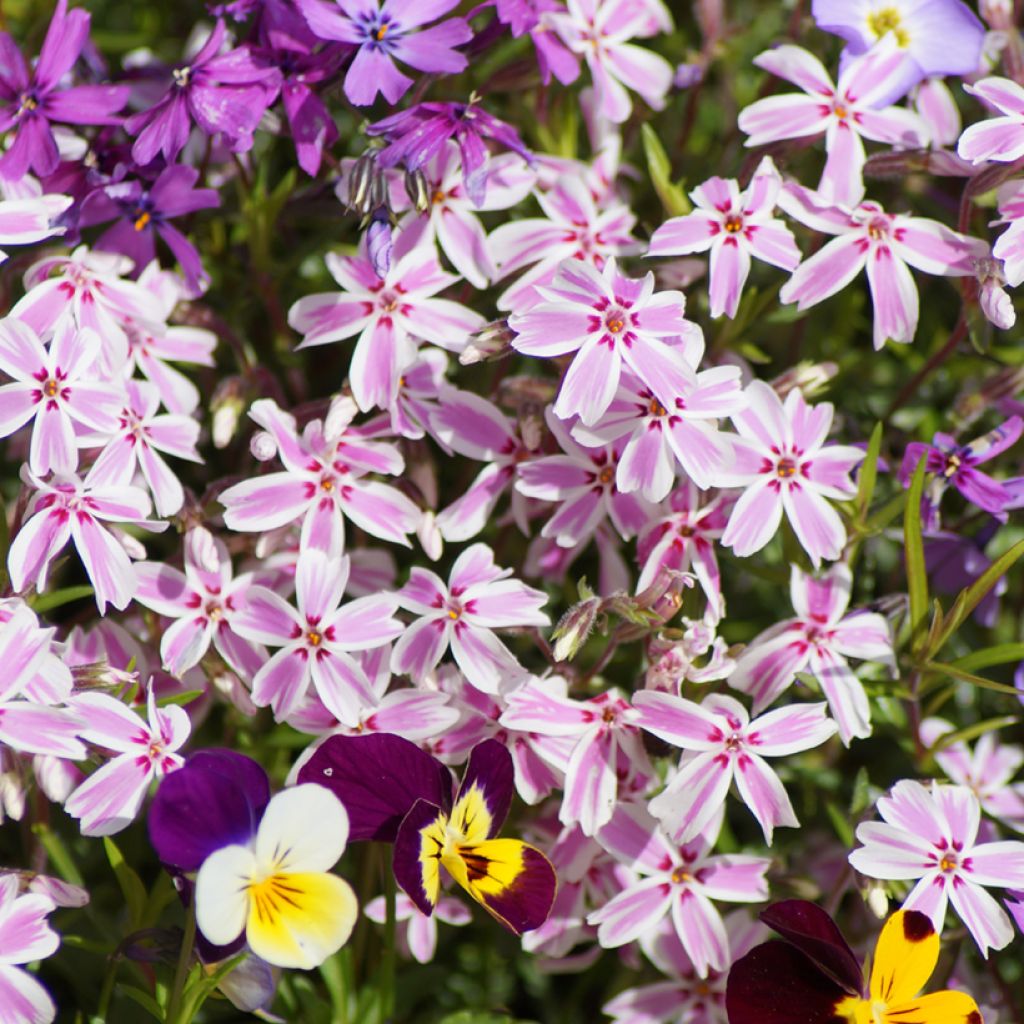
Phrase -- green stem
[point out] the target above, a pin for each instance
(387, 973)
(174, 1004)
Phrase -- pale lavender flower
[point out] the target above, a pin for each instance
(932, 835)
(25, 936)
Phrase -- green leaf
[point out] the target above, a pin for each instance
(998, 655)
(672, 197)
(969, 677)
(971, 732)
(180, 698)
(869, 473)
(840, 824)
(144, 999)
(47, 602)
(917, 575)
(133, 890)
(861, 799)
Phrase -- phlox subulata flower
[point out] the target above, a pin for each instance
(25, 936)
(999, 138)
(23, 221)
(419, 937)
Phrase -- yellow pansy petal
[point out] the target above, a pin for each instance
(221, 893)
(905, 957)
(471, 817)
(938, 1008)
(299, 920)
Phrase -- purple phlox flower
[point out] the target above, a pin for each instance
(1009, 246)
(205, 601)
(781, 458)
(323, 483)
(937, 37)
(818, 641)
(451, 220)
(416, 135)
(143, 211)
(472, 426)
(24, 221)
(844, 113)
(678, 882)
(463, 614)
(225, 93)
(998, 138)
(69, 508)
(575, 226)
(954, 463)
(609, 321)
(419, 937)
(527, 16)
(988, 770)
(57, 389)
(583, 481)
(599, 31)
(955, 561)
(25, 936)
(90, 290)
(937, 107)
(33, 98)
(383, 32)
(930, 834)
(608, 749)
(384, 312)
(316, 638)
(109, 800)
(727, 747)
(734, 226)
(883, 244)
(660, 441)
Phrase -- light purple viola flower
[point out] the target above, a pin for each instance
(419, 937)
(931, 835)
(987, 771)
(934, 37)
(316, 638)
(575, 226)
(954, 463)
(69, 508)
(323, 483)
(109, 799)
(24, 221)
(781, 458)
(609, 321)
(998, 138)
(883, 244)
(57, 389)
(734, 226)
(205, 602)
(583, 481)
(223, 93)
(33, 98)
(385, 313)
(383, 31)
(845, 113)
(463, 614)
(818, 641)
(729, 748)
(679, 882)
(25, 936)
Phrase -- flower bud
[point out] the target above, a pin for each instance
(574, 627)
(226, 407)
(364, 183)
(379, 242)
(262, 446)
(809, 377)
(492, 341)
(878, 901)
(417, 189)
(998, 14)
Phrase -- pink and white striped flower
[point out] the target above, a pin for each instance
(1009, 246)
(28, 220)
(462, 614)
(419, 937)
(998, 138)
(110, 798)
(25, 936)
(608, 320)
(845, 113)
(783, 462)
(734, 226)
(818, 641)
(932, 835)
(728, 747)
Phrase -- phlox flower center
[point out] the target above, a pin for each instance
(182, 76)
(380, 31)
(733, 223)
(888, 19)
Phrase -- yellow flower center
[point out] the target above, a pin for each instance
(313, 638)
(656, 408)
(786, 468)
(50, 388)
(269, 894)
(681, 875)
(734, 223)
(142, 220)
(607, 475)
(888, 20)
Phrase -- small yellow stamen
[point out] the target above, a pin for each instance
(51, 388)
(314, 638)
(656, 408)
(888, 20)
(381, 32)
(452, 614)
(607, 475)
(142, 220)
(786, 468)
(734, 223)
(615, 326)
(681, 875)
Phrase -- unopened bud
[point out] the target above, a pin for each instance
(227, 406)
(810, 378)
(417, 189)
(878, 901)
(574, 627)
(262, 446)
(492, 341)
(364, 183)
(429, 535)
(379, 242)
(998, 14)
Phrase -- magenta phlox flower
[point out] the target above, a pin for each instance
(419, 937)
(57, 389)
(600, 31)
(734, 226)
(818, 641)
(955, 463)
(463, 614)
(987, 770)
(223, 93)
(608, 749)
(385, 31)
(999, 138)
(931, 835)
(574, 226)
(323, 483)
(609, 321)
(583, 481)
(728, 747)
(109, 800)
(25, 936)
(69, 508)
(678, 882)
(845, 113)
(385, 313)
(32, 219)
(317, 638)
(781, 458)
(883, 244)
(205, 601)
(34, 98)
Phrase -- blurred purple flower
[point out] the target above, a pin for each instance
(955, 562)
